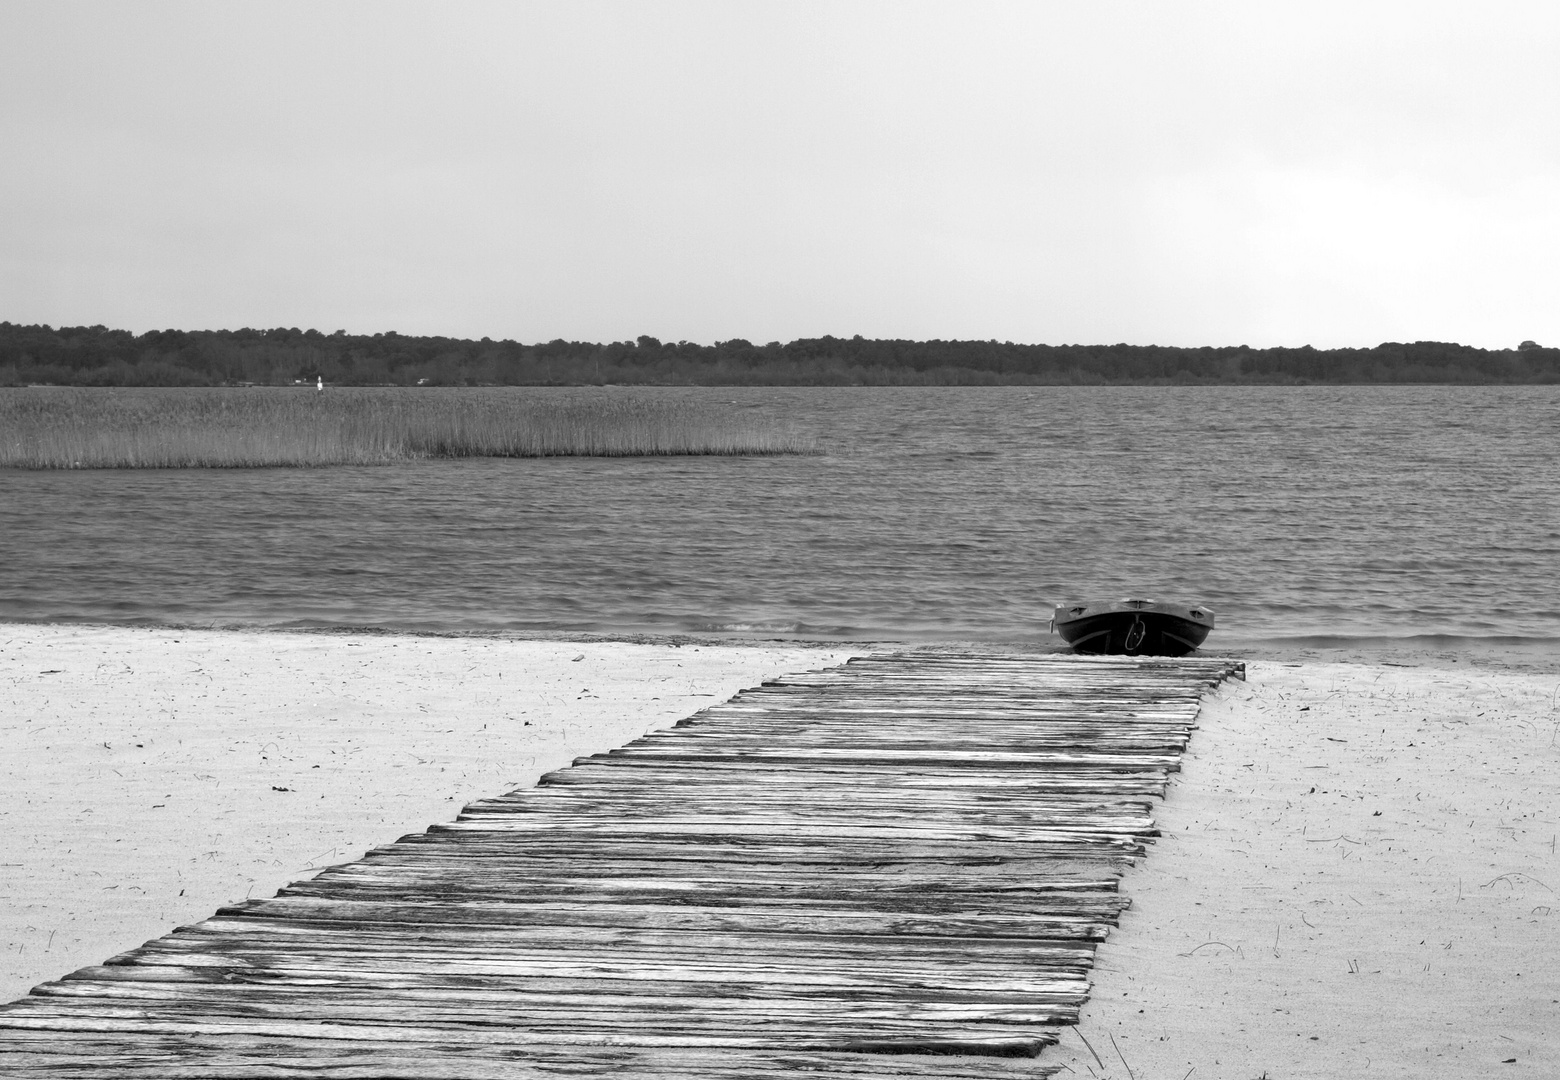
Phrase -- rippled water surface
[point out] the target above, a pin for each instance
(932, 513)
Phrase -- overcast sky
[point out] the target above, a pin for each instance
(1151, 172)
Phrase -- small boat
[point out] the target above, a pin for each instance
(1134, 627)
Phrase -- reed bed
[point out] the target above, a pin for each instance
(57, 428)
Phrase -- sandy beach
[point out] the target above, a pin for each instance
(1357, 873)
(1357, 877)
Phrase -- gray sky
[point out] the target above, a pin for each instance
(1183, 173)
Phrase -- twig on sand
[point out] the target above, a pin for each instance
(1507, 879)
(1090, 1045)
(1130, 1074)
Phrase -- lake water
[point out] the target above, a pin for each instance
(1309, 515)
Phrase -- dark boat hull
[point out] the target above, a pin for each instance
(1133, 627)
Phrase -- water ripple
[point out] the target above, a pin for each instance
(1317, 512)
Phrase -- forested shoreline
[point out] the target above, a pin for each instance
(98, 356)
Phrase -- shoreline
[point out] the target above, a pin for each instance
(159, 773)
(1536, 655)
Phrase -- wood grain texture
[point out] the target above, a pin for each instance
(895, 868)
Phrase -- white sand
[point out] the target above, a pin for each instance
(148, 777)
(1401, 919)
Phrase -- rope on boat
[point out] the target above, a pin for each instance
(1135, 634)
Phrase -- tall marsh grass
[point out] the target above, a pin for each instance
(58, 428)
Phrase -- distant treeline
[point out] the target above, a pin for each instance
(97, 356)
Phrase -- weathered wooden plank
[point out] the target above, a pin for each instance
(816, 901)
(803, 754)
(670, 798)
(746, 919)
(366, 966)
(806, 889)
(993, 1039)
(1040, 898)
(624, 1007)
(844, 850)
(220, 935)
(667, 830)
(800, 952)
(819, 895)
(1040, 877)
(152, 1055)
(1070, 985)
(1092, 781)
(316, 1000)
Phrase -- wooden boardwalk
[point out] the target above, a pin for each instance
(895, 868)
